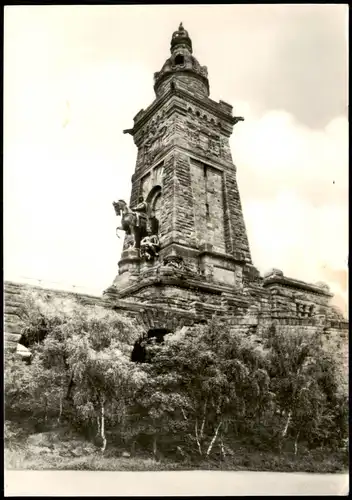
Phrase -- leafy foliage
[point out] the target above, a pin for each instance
(204, 392)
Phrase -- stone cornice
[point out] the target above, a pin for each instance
(297, 284)
(206, 104)
(240, 301)
(113, 299)
(179, 280)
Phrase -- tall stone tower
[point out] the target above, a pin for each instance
(191, 206)
(185, 173)
(199, 262)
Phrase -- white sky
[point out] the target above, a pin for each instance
(74, 78)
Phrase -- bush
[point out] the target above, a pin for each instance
(207, 395)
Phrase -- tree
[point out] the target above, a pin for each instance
(303, 377)
(103, 376)
(80, 358)
(202, 381)
(201, 391)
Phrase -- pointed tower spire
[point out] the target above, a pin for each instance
(181, 66)
(181, 39)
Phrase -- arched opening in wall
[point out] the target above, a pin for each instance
(34, 335)
(139, 353)
(179, 60)
(154, 202)
(154, 225)
(158, 334)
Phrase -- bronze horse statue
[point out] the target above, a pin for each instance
(131, 222)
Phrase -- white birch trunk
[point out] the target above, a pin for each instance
(60, 409)
(222, 448)
(98, 424)
(102, 428)
(46, 410)
(197, 438)
(213, 440)
(284, 432)
(154, 446)
(296, 443)
(203, 423)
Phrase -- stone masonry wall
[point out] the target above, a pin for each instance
(15, 296)
(208, 205)
(215, 204)
(186, 82)
(237, 233)
(207, 138)
(296, 302)
(184, 223)
(167, 214)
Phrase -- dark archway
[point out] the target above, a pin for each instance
(139, 352)
(154, 201)
(158, 334)
(179, 60)
(154, 225)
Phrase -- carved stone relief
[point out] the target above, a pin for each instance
(204, 139)
(214, 146)
(174, 261)
(193, 134)
(150, 247)
(154, 137)
(153, 143)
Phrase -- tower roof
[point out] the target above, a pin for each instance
(182, 63)
(181, 37)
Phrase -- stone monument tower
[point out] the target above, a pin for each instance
(186, 255)
(185, 191)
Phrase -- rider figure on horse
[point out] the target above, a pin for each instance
(141, 210)
(133, 220)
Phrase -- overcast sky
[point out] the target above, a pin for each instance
(74, 78)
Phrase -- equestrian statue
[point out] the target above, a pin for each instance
(133, 221)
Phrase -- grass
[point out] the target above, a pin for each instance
(24, 460)
(27, 458)
(63, 450)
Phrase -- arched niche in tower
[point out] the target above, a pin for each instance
(154, 200)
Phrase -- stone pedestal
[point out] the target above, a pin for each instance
(130, 260)
(129, 266)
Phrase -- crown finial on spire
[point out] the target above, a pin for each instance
(181, 37)
(181, 61)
